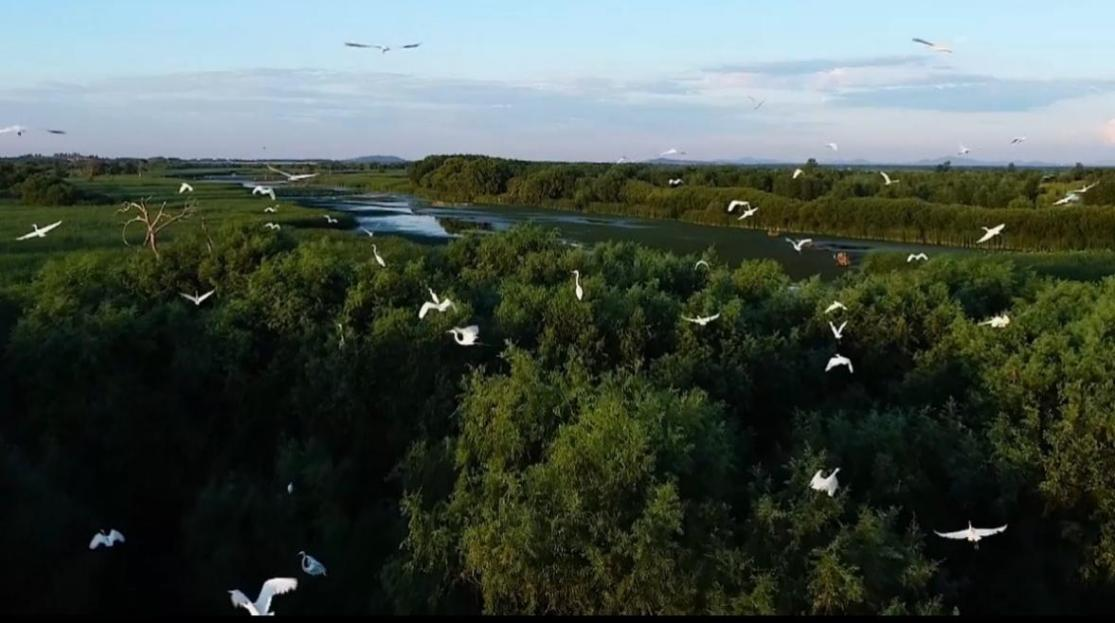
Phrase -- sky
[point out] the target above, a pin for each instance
(561, 80)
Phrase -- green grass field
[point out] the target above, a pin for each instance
(98, 227)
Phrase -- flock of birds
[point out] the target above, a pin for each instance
(469, 335)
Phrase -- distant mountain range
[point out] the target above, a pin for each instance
(378, 160)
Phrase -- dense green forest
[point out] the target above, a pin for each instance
(595, 456)
(938, 205)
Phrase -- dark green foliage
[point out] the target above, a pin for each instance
(596, 456)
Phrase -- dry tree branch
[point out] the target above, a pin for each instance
(153, 225)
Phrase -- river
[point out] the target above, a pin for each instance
(420, 220)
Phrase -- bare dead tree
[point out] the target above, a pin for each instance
(154, 225)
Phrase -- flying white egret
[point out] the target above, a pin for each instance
(798, 173)
(19, 130)
(991, 232)
(382, 48)
(367, 231)
(435, 303)
(838, 332)
(292, 177)
(578, 290)
(833, 146)
(1018, 139)
(262, 605)
(997, 322)
(933, 46)
(264, 190)
(466, 336)
(963, 150)
(1069, 198)
(918, 256)
(758, 103)
(828, 485)
(701, 263)
(973, 535)
(887, 180)
(39, 233)
(738, 203)
(676, 182)
(379, 260)
(108, 540)
(748, 213)
(271, 209)
(800, 244)
(272, 226)
(701, 320)
(311, 565)
(195, 298)
(330, 219)
(835, 306)
(839, 360)
(1086, 188)
(185, 188)
(673, 151)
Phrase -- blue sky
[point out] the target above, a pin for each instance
(569, 79)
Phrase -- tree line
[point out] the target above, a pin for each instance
(936, 206)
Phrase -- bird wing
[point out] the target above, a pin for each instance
(989, 531)
(886, 178)
(241, 600)
(356, 45)
(50, 227)
(425, 309)
(805, 241)
(98, 539)
(959, 534)
(282, 173)
(33, 234)
(924, 42)
(189, 297)
(272, 587)
(411, 46)
(115, 536)
(205, 296)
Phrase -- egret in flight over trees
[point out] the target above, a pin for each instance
(738, 203)
(1086, 188)
(991, 232)
(262, 604)
(701, 320)
(973, 535)
(434, 303)
(886, 179)
(998, 322)
(465, 336)
(108, 540)
(272, 226)
(185, 188)
(835, 306)
(39, 233)
(195, 298)
(748, 213)
(330, 219)
(839, 360)
(700, 263)
(676, 182)
(798, 173)
(828, 485)
(271, 209)
(838, 332)
(916, 256)
(264, 190)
